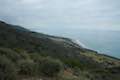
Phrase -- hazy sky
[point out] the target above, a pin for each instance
(74, 14)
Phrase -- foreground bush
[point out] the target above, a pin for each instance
(50, 67)
(27, 67)
(7, 69)
(47, 66)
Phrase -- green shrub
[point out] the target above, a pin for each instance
(27, 67)
(7, 69)
(35, 57)
(10, 54)
(47, 66)
(50, 67)
(73, 63)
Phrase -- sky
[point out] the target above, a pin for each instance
(72, 14)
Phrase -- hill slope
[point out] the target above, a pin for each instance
(20, 40)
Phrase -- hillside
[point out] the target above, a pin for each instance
(18, 44)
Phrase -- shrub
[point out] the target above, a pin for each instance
(47, 66)
(50, 67)
(7, 69)
(73, 63)
(10, 54)
(27, 67)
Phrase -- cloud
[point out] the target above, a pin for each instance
(92, 14)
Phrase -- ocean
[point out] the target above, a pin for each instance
(103, 41)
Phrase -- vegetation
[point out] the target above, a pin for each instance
(50, 67)
(7, 69)
(27, 64)
(27, 68)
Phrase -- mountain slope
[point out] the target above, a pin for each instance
(21, 40)
(12, 37)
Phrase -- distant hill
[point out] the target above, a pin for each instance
(18, 40)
